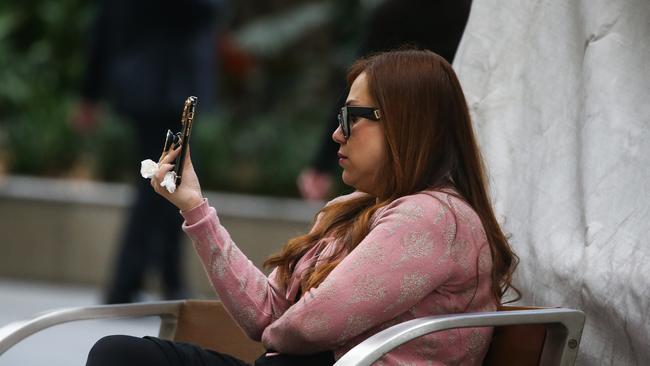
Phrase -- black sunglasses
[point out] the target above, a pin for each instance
(349, 113)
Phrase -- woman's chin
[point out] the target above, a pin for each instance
(354, 183)
(346, 179)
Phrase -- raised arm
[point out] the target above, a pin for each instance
(251, 298)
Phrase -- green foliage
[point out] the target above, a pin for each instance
(261, 156)
(40, 59)
(40, 51)
(40, 142)
(266, 130)
(111, 150)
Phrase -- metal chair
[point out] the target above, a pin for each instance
(523, 335)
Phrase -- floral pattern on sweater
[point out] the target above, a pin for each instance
(426, 254)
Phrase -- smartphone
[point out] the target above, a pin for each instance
(182, 138)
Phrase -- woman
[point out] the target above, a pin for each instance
(417, 238)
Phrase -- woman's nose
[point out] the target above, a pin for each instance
(337, 135)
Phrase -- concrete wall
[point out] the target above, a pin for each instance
(68, 231)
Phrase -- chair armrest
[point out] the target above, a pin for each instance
(168, 312)
(564, 330)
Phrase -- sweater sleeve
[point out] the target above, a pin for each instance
(408, 254)
(251, 298)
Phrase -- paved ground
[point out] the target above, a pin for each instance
(65, 344)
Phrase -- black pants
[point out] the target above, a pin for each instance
(150, 351)
(152, 234)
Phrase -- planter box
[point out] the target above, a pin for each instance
(68, 231)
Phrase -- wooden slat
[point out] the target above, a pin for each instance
(516, 344)
(209, 325)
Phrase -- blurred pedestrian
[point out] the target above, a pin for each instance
(433, 25)
(145, 57)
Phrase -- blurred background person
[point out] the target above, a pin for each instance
(433, 25)
(145, 57)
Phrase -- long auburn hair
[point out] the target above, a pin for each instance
(430, 144)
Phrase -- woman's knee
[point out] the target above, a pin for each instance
(124, 350)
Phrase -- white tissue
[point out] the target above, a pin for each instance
(148, 168)
(169, 182)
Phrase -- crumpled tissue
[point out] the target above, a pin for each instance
(169, 182)
(148, 168)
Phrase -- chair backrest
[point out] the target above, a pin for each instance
(209, 325)
(520, 345)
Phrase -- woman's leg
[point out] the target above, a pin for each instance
(150, 351)
(126, 351)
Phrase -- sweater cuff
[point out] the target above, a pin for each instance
(195, 214)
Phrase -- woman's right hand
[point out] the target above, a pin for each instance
(188, 194)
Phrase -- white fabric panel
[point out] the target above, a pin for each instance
(560, 95)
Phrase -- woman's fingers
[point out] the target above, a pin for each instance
(188, 157)
(162, 155)
(162, 170)
(171, 156)
(160, 175)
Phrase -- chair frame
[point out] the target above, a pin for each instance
(563, 333)
(563, 328)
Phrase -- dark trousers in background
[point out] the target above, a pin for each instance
(152, 235)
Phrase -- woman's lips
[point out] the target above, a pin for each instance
(342, 158)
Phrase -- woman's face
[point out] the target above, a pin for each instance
(364, 152)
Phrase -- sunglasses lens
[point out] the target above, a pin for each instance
(345, 125)
(342, 117)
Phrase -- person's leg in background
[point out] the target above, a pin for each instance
(152, 235)
(171, 259)
(134, 253)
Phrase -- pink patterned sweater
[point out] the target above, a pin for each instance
(426, 254)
